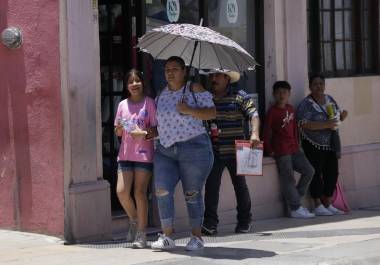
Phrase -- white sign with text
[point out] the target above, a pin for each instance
(173, 10)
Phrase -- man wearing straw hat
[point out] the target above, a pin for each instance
(233, 107)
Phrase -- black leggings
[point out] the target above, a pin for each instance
(325, 164)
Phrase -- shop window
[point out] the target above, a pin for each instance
(343, 37)
(236, 20)
(157, 15)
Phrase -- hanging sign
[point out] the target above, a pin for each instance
(173, 10)
(232, 11)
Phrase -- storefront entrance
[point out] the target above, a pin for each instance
(121, 22)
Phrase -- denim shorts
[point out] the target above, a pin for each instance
(134, 165)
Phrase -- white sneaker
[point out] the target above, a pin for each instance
(308, 212)
(302, 212)
(163, 243)
(334, 210)
(195, 243)
(322, 211)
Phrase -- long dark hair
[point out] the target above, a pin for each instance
(131, 72)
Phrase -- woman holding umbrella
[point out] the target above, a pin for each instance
(183, 152)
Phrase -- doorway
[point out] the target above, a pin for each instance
(117, 26)
(121, 22)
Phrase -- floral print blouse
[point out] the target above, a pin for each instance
(174, 127)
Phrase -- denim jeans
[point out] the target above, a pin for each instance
(285, 166)
(213, 182)
(189, 162)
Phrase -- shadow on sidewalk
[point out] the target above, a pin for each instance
(262, 230)
(214, 252)
(268, 227)
(230, 253)
(281, 223)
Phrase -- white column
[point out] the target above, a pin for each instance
(87, 195)
(285, 39)
(296, 48)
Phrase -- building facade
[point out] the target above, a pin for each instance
(60, 88)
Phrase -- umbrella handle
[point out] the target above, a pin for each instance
(184, 90)
(191, 63)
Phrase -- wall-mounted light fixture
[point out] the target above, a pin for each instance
(11, 37)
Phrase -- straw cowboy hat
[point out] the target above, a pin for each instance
(234, 76)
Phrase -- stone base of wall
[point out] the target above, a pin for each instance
(359, 178)
(88, 216)
(360, 175)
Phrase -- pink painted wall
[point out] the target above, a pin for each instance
(31, 148)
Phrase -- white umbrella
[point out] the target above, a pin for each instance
(198, 46)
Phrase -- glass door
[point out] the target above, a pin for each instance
(117, 31)
(121, 22)
(239, 20)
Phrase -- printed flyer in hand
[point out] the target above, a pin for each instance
(249, 160)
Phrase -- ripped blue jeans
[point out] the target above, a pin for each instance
(189, 162)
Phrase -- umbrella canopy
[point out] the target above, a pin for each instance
(212, 49)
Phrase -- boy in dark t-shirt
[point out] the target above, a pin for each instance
(281, 142)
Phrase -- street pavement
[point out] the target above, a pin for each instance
(335, 240)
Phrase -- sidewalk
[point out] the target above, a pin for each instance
(348, 239)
